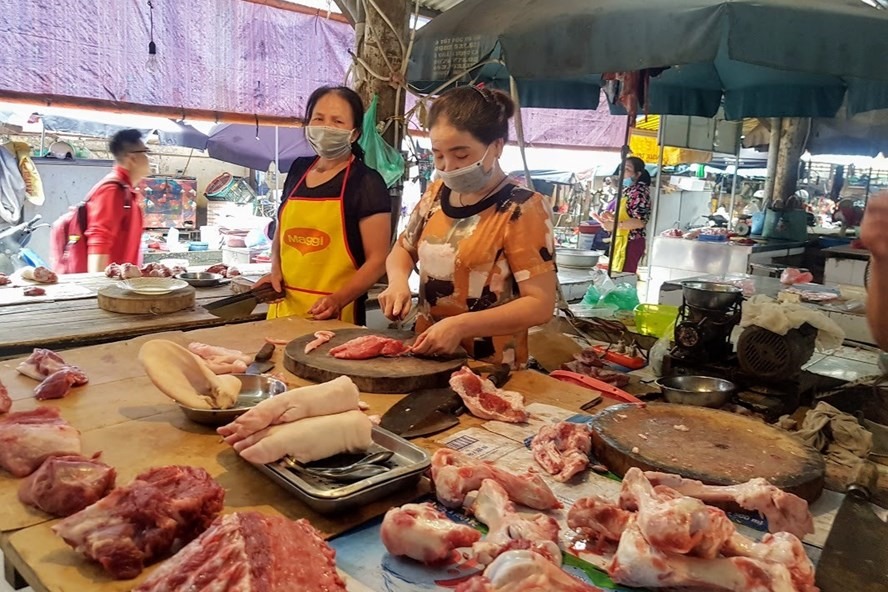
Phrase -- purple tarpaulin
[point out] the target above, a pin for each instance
(220, 55)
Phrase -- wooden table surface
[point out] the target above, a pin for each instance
(73, 323)
(121, 414)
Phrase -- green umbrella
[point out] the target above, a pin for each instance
(762, 58)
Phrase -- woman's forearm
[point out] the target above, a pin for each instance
(877, 312)
(515, 316)
(276, 251)
(632, 224)
(398, 265)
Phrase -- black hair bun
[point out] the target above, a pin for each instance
(504, 101)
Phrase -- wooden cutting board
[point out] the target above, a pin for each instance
(718, 448)
(378, 375)
(115, 299)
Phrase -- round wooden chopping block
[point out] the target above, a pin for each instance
(115, 299)
(378, 375)
(712, 446)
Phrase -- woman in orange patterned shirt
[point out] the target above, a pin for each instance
(483, 245)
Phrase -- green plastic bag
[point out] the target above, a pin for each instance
(378, 155)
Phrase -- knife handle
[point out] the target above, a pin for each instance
(266, 293)
(265, 353)
(500, 376)
(863, 480)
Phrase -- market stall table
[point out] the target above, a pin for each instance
(121, 413)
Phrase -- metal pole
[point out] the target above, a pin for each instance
(519, 131)
(733, 192)
(655, 204)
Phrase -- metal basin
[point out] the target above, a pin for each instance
(702, 391)
(254, 390)
(200, 279)
(710, 295)
(576, 258)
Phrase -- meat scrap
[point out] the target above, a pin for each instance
(524, 571)
(39, 274)
(5, 400)
(486, 401)
(137, 524)
(57, 385)
(455, 475)
(562, 449)
(250, 551)
(221, 360)
(44, 362)
(785, 512)
(4, 279)
(598, 520)
(34, 291)
(66, 484)
(421, 532)
(369, 347)
(321, 337)
(28, 438)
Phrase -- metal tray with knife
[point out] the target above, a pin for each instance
(430, 411)
(406, 466)
(242, 305)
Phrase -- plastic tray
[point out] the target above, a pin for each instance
(325, 496)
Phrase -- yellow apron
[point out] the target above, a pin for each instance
(620, 240)
(315, 258)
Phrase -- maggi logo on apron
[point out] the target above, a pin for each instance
(306, 240)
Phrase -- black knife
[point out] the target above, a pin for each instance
(261, 363)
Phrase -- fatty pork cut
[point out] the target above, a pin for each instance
(42, 363)
(137, 524)
(27, 438)
(5, 400)
(247, 552)
(423, 533)
(486, 401)
(368, 347)
(563, 449)
(66, 484)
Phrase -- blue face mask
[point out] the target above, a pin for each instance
(628, 182)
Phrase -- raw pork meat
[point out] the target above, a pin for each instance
(112, 271)
(598, 520)
(250, 552)
(27, 438)
(40, 274)
(136, 524)
(218, 268)
(232, 272)
(336, 396)
(486, 401)
(563, 449)
(5, 400)
(221, 360)
(509, 530)
(455, 475)
(638, 563)
(674, 523)
(129, 271)
(66, 484)
(321, 337)
(421, 532)
(780, 547)
(524, 571)
(34, 291)
(44, 362)
(309, 439)
(368, 347)
(4, 279)
(785, 512)
(588, 362)
(58, 384)
(155, 270)
(184, 377)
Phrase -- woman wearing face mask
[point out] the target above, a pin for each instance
(483, 245)
(628, 234)
(334, 224)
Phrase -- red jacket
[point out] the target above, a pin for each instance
(114, 221)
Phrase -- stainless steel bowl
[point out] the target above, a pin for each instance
(576, 258)
(710, 295)
(254, 390)
(702, 391)
(200, 279)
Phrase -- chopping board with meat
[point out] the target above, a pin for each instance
(377, 361)
(712, 446)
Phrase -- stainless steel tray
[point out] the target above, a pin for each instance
(325, 496)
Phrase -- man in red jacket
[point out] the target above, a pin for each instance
(114, 216)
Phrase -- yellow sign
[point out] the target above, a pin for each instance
(643, 144)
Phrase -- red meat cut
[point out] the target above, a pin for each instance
(66, 484)
(27, 438)
(44, 362)
(368, 347)
(162, 509)
(58, 384)
(247, 552)
(5, 400)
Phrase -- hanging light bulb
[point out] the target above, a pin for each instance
(151, 62)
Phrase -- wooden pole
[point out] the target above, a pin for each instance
(792, 145)
(773, 149)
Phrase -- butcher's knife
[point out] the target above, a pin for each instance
(855, 556)
(431, 411)
(241, 305)
(261, 363)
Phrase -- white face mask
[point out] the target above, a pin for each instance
(329, 142)
(468, 179)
